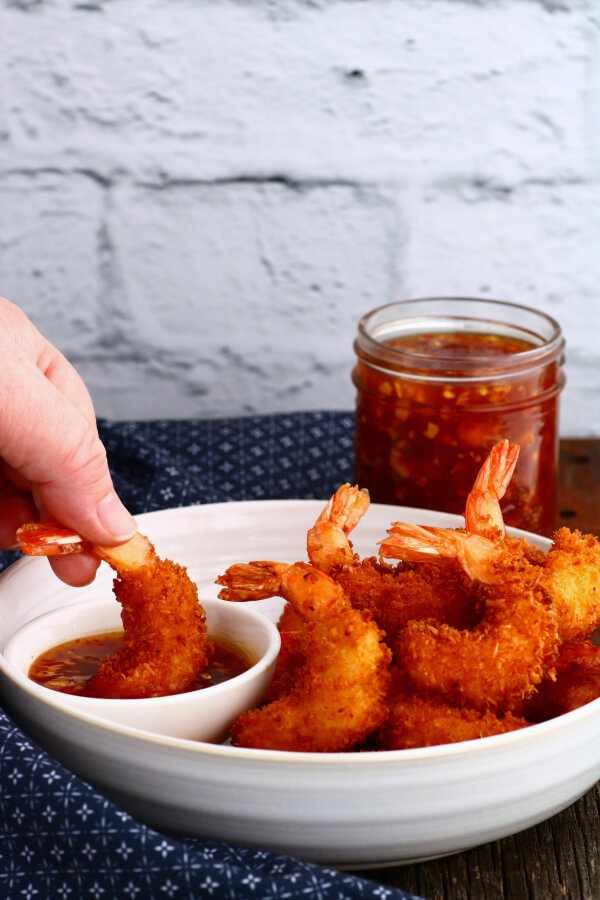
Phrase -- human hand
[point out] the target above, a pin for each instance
(52, 462)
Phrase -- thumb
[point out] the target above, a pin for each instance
(54, 446)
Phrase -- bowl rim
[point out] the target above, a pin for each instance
(64, 701)
(368, 758)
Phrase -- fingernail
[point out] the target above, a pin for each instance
(115, 518)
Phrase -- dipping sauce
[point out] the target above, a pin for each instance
(68, 667)
(439, 382)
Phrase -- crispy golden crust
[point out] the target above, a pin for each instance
(339, 695)
(331, 691)
(394, 595)
(494, 665)
(572, 579)
(291, 659)
(577, 681)
(425, 720)
(485, 632)
(165, 645)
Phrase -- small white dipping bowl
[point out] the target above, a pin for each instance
(203, 715)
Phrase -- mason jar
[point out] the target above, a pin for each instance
(439, 381)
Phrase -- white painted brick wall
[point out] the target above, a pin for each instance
(198, 200)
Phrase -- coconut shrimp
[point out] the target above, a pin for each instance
(499, 661)
(475, 550)
(571, 568)
(327, 541)
(577, 681)
(534, 602)
(424, 719)
(339, 695)
(571, 577)
(569, 573)
(391, 594)
(165, 645)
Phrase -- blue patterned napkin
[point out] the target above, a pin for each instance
(60, 838)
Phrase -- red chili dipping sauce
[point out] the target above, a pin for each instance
(431, 404)
(68, 667)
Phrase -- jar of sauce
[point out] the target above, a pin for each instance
(439, 381)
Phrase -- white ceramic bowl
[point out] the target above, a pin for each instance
(351, 810)
(204, 715)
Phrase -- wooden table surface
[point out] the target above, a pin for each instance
(559, 858)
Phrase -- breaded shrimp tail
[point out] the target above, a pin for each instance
(165, 645)
(340, 693)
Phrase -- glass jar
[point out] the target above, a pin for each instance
(439, 381)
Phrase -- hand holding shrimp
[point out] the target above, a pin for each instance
(52, 462)
(165, 644)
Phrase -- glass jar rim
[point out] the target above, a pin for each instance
(415, 316)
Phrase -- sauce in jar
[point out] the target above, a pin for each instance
(439, 382)
(68, 667)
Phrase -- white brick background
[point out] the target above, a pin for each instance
(198, 200)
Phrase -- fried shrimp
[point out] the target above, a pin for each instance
(451, 635)
(424, 719)
(568, 574)
(497, 663)
(391, 594)
(571, 577)
(577, 682)
(570, 570)
(165, 645)
(339, 695)
(394, 595)
(327, 541)
(534, 602)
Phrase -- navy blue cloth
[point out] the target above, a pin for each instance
(60, 838)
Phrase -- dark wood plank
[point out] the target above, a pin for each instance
(579, 484)
(556, 859)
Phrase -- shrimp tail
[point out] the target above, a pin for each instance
(50, 539)
(327, 541)
(250, 581)
(416, 543)
(475, 553)
(482, 513)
